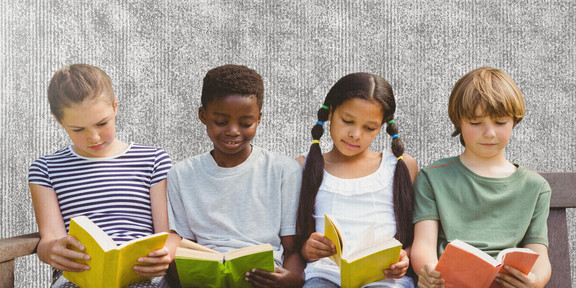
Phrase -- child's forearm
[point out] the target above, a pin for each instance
(172, 243)
(419, 259)
(423, 250)
(542, 268)
(295, 263)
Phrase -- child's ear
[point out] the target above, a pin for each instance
(115, 104)
(202, 115)
(260, 117)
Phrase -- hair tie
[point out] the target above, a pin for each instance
(390, 122)
(315, 141)
(400, 158)
(320, 123)
(395, 136)
(325, 107)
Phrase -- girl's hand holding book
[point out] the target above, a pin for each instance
(63, 251)
(399, 269)
(317, 246)
(155, 264)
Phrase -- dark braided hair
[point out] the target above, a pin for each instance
(369, 87)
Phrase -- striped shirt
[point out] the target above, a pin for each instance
(113, 192)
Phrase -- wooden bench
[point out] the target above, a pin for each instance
(563, 196)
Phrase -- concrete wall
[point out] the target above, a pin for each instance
(158, 51)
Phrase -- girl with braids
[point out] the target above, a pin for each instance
(356, 185)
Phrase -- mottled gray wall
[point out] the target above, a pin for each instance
(158, 51)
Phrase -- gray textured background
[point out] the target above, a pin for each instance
(158, 51)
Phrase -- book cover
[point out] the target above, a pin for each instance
(463, 265)
(362, 264)
(199, 266)
(110, 265)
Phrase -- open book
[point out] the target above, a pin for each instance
(200, 266)
(463, 265)
(364, 263)
(110, 265)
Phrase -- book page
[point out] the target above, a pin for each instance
(197, 254)
(104, 240)
(189, 244)
(522, 259)
(479, 253)
(247, 251)
(161, 235)
(373, 247)
(367, 244)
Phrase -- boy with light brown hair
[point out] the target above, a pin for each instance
(480, 197)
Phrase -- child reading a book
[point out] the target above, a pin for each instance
(120, 186)
(357, 186)
(480, 197)
(237, 195)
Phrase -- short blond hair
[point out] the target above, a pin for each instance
(493, 90)
(76, 83)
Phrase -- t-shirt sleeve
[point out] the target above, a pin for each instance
(291, 182)
(425, 207)
(38, 173)
(162, 163)
(537, 232)
(177, 217)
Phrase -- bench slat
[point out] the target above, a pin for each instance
(11, 248)
(563, 189)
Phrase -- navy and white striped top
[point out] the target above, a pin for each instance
(113, 192)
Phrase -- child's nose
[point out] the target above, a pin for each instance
(489, 131)
(232, 130)
(93, 135)
(354, 133)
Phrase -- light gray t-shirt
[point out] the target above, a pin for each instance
(230, 208)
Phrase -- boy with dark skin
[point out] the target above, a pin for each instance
(238, 194)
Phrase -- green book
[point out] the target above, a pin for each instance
(199, 266)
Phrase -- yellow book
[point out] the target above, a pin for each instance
(111, 266)
(364, 263)
(200, 266)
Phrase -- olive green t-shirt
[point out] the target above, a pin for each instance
(491, 214)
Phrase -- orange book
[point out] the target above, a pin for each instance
(465, 266)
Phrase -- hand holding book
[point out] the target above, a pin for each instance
(463, 265)
(110, 265)
(366, 262)
(318, 246)
(398, 270)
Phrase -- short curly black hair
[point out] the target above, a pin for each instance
(232, 79)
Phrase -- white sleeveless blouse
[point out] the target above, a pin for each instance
(356, 204)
